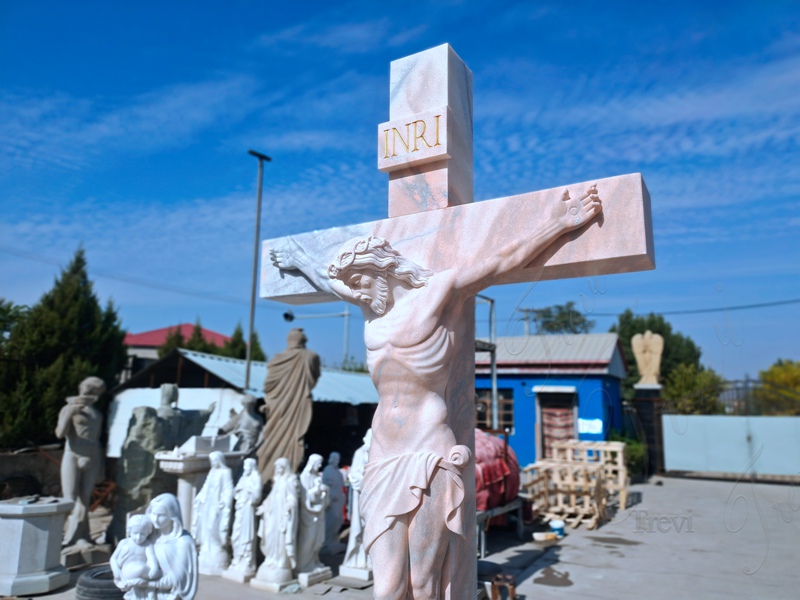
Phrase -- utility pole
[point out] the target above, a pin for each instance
(493, 358)
(527, 318)
(262, 158)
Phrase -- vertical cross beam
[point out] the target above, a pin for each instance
(426, 148)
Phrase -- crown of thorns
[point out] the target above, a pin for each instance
(351, 250)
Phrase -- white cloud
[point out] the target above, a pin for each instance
(68, 133)
(353, 37)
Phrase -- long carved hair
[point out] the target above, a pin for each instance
(377, 254)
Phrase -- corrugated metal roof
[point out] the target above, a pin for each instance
(333, 385)
(554, 349)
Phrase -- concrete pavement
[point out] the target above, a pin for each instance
(682, 538)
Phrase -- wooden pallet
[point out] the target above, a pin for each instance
(611, 455)
(534, 487)
(578, 493)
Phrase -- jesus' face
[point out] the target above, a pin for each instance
(370, 288)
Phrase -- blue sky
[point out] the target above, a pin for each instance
(125, 128)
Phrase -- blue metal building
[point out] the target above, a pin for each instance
(553, 387)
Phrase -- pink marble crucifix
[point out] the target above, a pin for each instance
(415, 276)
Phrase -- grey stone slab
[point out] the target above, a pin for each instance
(735, 525)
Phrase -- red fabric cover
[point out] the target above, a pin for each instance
(496, 480)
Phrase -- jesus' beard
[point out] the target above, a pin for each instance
(381, 295)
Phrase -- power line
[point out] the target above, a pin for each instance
(698, 311)
(134, 280)
(526, 311)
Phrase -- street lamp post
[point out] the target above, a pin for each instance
(262, 158)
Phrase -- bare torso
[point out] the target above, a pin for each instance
(410, 350)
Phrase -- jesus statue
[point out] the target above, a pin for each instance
(413, 491)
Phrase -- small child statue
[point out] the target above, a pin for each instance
(134, 561)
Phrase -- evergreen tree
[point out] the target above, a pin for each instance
(173, 340)
(61, 340)
(257, 352)
(236, 347)
(10, 315)
(198, 343)
(678, 349)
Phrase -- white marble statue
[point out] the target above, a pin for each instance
(134, 560)
(247, 495)
(334, 514)
(211, 516)
(314, 496)
(414, 328)
(355, 556)
(82, 464)
(647, 349)
(247, 426)
(174, 574)
(278, 526)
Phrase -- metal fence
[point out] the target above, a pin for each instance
(754, 398)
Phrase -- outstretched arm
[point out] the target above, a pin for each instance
(566, 214)
(292, 257)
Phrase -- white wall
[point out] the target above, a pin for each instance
(732, 444)
(121, 409)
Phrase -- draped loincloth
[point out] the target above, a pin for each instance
(394, 487)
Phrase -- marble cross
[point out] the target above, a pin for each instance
(415, 276)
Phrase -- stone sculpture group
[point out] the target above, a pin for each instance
(293, 526)
(158, 559)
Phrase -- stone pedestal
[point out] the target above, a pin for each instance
(236, 575)
(272, 586)
(84, 553)
(318, 576)
(190, 464)
(30, 545)
(649, 407)
(355, 573)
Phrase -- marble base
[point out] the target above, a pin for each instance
(238, 576)
(31, 530)
(83, 554)
(271, 586)
(355, 573)
(33, 583)
(318, 576)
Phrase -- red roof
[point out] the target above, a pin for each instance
(155, 338)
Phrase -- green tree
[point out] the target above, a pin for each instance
(692, 390)
(562, 318)
(61, 340)
(236, 347)
(678, 349)
(10, 315)
(779, 393)
(257, 352)
(198, 343)
(173, 340)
